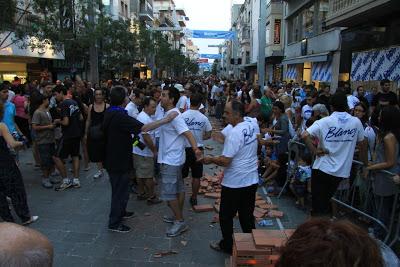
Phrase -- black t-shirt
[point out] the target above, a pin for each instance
(391, 97)
(119, 127)
(69, 108)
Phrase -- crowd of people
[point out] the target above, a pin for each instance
(147, 133)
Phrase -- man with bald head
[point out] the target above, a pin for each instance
(24, 247)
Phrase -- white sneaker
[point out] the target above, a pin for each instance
(76, 183)
(177, 228)
(98, 174)
(67, 183)
(31, 220)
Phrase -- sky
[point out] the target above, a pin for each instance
(208, 15)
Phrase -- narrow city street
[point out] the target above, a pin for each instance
(75, 221)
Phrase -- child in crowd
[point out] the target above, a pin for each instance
(301, 181)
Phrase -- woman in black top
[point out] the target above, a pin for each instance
(11, 183)
(94, 123)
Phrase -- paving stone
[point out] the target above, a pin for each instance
(92, 250)
(68, 261)
(80, 237)
(104, 262)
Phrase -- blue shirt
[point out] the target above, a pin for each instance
(8, 118)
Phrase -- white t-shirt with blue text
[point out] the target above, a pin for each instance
(241, 145)
(198, 124)
(339, 134)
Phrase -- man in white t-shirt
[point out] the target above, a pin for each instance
(239, 184)
(143, 157)
(171, 156)
(132, 107)
(306, 110)
(201, 128)
(338, 135)
(181, 105)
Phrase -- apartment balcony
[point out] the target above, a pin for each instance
(245, 35)
(348, 13)
(146, 11)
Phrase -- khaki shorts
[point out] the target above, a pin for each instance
(144, 166)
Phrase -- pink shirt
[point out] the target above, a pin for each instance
(19, 102)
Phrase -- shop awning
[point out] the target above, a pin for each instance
(309, 58)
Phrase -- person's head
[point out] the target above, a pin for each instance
(361, 112)
(3, 92)
(150, 105)
(99, 95)
(60, 92)
(48, 89)
(195, 100)
(234, 112)
(286, 100)
(58, 82)
(305, 159)
(310, 99)
(43, 101)
(326, 243)
(338, 102)
(278, 108)
(257, 93)
(169, 97)
(156, 94)
(136, 97)
(320, 110)
(19, 89)
(389, 120)
(374, 90)
(385, 85)
(327, 89)
(269, 150)
(23, 246)
(360, 90)
(118, 96)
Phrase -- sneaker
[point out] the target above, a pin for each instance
(193, 201)
(31, 220)
(55, 180)
(55, 173)
(46, 183)
(76, 183)
(98, 174)
(67, 183)
(86, 169)
(128, 214)
(168, 219)
(120, 229)
(177, 228)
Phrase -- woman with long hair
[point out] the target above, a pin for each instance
(361, 112)
(387, 158)
(11, 183)
(94, 122)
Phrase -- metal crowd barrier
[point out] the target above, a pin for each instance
(359, 197)
(294, 147)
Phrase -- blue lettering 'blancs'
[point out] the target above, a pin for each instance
(335, 132)
(248, 135)
(191, 122)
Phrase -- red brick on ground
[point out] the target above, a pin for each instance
(269, 238)
(203, 208)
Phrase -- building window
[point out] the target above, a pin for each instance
(294, 29)
(308, 22)
(322, 13)
(268, 33)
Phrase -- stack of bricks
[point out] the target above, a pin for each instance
(260, 248)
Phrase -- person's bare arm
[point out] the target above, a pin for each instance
(207, 135)
(390, 157)
(149, 143)
(8, 137)
(192, 141)
(219, 160)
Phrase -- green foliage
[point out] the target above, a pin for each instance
(7, 13)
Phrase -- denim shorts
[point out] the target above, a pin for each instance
(171, 182)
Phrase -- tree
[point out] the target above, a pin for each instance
(7, 14)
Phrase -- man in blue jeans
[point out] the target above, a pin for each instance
(118, 129)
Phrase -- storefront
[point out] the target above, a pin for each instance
(18, 61)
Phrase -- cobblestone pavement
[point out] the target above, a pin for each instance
(75, 221)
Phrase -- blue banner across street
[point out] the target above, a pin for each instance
(213, 34)
(211, 56)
